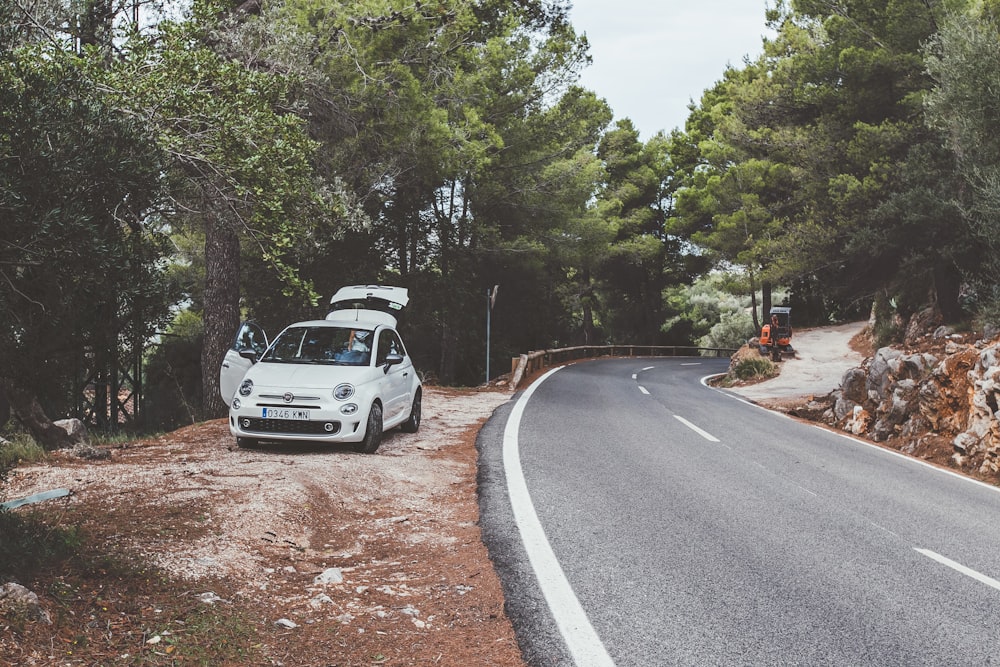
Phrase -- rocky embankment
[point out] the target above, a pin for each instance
(941, 403)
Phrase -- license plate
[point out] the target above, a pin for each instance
(286, 413)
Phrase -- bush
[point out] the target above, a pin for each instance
(754, 369)
(28, 544)
(732, 331)
(20, 448)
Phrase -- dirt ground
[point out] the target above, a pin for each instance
(198, 552)
(822, 357)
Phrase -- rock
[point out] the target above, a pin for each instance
(879, 374)
(286, 623)
(842, 408)
(922, 322)
(965, 444)
(320, 600)
(943, 331)
(858, 422)
(853, 385)
(990, 357)
(75, 429)
(951, 347)
(209, 597)
(90, 453)
(16, 599)
(333, 575)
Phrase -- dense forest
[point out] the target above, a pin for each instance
(170, 169)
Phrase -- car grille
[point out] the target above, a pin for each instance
(258, 425)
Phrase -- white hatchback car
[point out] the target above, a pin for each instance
(343, 379)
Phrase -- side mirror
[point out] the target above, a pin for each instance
(391, 360)
(249, 354)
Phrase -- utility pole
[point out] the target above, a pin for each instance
(491, 297)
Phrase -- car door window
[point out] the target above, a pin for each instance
(388, 343)
(250, 337)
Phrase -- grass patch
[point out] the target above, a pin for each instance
(28, 544)
(19, 449)
(754, 369)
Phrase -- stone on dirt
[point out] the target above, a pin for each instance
(16, 599)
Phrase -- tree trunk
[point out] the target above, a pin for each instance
(25, 406)
(753, 304)
(222, 308)
(947, 286)
(449, 350)
(586, 300)
(765, 299)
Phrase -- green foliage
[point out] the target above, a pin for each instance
(707, 303)
(732, 331)
(173, 375)
(963, 60)
(29, 544)
(235, 146)
(754, 368)
(16, 449)
(813, 164)
(80, 252)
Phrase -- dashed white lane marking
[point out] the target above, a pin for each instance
(581, 639)
(705, 434)
(958, 567)
(643, 390)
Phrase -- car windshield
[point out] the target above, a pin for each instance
(321, 345)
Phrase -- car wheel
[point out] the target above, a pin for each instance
(245, 443)
(373, 431)
(412, 424)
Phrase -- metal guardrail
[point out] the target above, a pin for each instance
(526, 364)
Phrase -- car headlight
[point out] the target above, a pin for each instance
(246, 387)
(349, 409)
(342, 392)
(236, 404)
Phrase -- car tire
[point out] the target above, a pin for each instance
(246, 443)
(412, 424)
(373, 431)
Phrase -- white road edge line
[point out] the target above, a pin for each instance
(958, 567)
(705, 434)
(581, 639)
(911, 459)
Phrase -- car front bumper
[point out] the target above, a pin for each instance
(323, 425)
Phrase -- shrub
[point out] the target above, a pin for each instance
(752, 368)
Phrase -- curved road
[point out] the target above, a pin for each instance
(693, 528)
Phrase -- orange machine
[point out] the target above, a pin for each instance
(776, 335)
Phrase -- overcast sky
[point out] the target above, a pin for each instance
(652, 57)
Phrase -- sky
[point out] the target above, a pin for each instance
(652, 57)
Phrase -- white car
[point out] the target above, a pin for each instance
(346, 378)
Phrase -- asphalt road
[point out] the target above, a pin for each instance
(693, 528)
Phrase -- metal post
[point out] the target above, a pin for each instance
(489, 308)
(491, 297)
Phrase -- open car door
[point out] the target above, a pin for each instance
(249, 338)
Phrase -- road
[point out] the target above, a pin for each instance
(689, 527)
